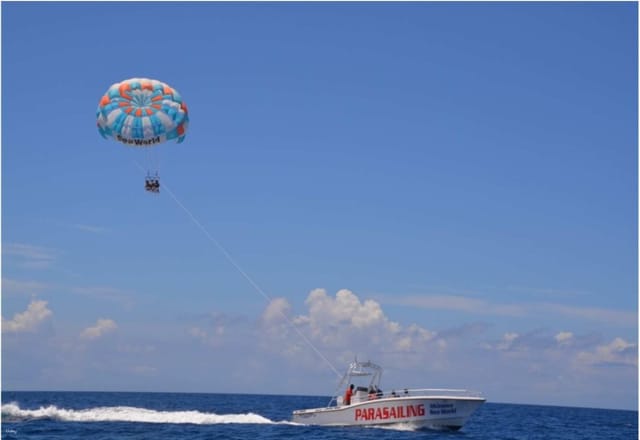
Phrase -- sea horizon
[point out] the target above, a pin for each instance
(128, 415)
(327, 396)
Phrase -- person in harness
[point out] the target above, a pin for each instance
(152, 185)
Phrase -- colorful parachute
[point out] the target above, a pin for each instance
(141, 112)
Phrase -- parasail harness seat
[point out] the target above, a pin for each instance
(152, 184)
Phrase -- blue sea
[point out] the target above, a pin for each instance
(102, 415)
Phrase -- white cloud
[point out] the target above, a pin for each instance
(345, 309)
(30, 256)
(11, 287)
(508, 340)
(90, 228)
(214, 337)
(564, 338)
(413, 337)
(458, 303)
(607, 316)
(218, 330)
(106, 293)
(617, 352)
(102, 327)
(512, 342)
(198, 333)
(277, 310)
(342, 323)
(28, 320)
(477, 306)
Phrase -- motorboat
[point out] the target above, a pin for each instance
(414, 408)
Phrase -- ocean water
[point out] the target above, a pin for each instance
(101, 415)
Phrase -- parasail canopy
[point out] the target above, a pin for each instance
(141, 112)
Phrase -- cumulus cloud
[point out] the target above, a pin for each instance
(340, 325)
(102, 327)
(343, 323)
(28, 320)
(345, 310)
(276, 311)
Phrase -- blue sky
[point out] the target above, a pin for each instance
(449, 189)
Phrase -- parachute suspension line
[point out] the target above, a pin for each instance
(233, 262)
(154, 155)
(147, 162)
(150, 164)
(157, 156)
(151, 158)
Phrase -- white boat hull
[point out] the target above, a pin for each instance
(416, 412)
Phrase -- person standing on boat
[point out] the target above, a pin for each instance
(347, 395)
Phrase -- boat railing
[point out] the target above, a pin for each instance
(416, 392)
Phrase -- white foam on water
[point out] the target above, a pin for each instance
(12, 411)
(395, 426)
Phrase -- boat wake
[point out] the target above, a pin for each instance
(11, 412)
(395, 427)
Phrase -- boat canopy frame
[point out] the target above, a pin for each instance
(358, 369)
